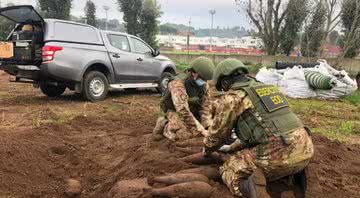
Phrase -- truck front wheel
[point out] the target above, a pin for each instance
(95, 86)
(52, 91)
(164, 81)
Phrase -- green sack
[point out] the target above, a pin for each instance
(317, 80)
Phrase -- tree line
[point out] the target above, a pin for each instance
(282, 24)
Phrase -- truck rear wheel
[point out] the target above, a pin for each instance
(95, 86)
(52, 91)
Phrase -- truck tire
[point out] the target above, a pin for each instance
(164, 81)
(95, 86)
(52, 91)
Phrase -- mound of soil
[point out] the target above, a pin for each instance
(333, 172)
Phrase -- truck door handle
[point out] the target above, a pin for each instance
(139, 59)
(116, 56)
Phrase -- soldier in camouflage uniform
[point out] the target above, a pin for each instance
(183, 101)
(273, 142)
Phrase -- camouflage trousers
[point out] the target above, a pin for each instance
(275, 159)
(174, 128)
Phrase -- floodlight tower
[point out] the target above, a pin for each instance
(212, 12)
(106, 8)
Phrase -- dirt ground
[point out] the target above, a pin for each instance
(44, 142)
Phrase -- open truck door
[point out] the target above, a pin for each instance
(25, 14)
(23, 46)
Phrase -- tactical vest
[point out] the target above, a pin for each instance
(271, 115)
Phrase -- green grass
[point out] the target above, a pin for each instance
(181, 66)
(354, 98)
(337, 120)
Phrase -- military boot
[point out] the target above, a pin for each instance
(254, 186)
(159, 128)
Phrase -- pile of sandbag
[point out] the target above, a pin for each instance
(321, 81)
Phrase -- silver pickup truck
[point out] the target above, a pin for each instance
(55, 55)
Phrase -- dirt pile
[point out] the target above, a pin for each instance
(334, 170)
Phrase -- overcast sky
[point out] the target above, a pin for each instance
(175, 11)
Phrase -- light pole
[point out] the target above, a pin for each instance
(106, 8)
(212, 12)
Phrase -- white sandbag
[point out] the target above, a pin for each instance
(321, 69)
(340, 91)
(269, 76)
(294, 84)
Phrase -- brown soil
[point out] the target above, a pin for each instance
(44, 142)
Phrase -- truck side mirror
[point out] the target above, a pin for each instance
(156, 52)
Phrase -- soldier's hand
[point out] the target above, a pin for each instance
(205, 133)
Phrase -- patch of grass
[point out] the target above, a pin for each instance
(181, 66)
(248, 63)
(56, 116)
(354, 98)
(337, 120)
(255, 68)
(113, 107)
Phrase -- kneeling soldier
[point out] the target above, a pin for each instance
(274, 142)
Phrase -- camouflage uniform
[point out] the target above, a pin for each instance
(207, 110)
(276, 159)
(182, 124)
(182, 103)
(273, 138)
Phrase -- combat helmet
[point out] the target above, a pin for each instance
(204, 67)
(227, 67)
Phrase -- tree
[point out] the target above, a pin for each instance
(351, 23)
(341, 41)
(90, 13)
(332, 15)
(132, 11)
(333, 37)
(149, 22)
(314, 32)
(332, 19)
(57, 9)
(297, 12)
(268, 17)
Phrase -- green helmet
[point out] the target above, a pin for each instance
(227, 67)
(204, 67)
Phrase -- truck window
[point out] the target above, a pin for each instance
(120, 42)
(75, 33)
(140, 47)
